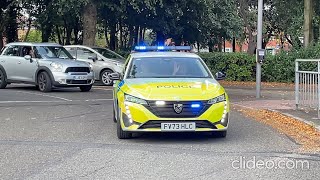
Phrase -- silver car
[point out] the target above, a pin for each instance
(104, 61)
(45, 65)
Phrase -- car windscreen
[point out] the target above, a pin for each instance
(167, 67)
(109, 54)
(53, 52)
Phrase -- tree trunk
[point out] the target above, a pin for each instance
(141, 35)
(1, 40)
(28, 31)
(46, 32)
(234, 44)
(75, 34)
(308, 11)
(76, 31)
(131, 36)
(210, 49)
(220, 44)
(11, 29)
(68, 38)
(89, 23)
(136, 35)
(224, 44)
(244, 14)
(121, 34)
(160, 37)
(251, 43)
(198, 46)
(113, 37)
(58, 34)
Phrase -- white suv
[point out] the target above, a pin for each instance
(45, 65)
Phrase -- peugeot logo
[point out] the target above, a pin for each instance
(178, 108)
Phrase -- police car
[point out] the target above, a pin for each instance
(165, 89)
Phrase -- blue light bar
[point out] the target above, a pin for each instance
(195, 105)
(140, 47)
(160, 47)
(163, 48)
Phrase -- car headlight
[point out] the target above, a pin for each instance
(133, 99)
(56, 67)
(91, 66)
(217, 99)
(119, 65)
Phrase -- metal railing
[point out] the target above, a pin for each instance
(307, 85)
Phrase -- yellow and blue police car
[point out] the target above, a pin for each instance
(162, 90)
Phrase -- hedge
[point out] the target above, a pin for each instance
(277, 68)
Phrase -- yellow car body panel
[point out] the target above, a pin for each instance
(170, 90)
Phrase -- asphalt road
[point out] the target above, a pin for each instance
(67, 134)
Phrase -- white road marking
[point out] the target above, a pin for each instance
(44, 95)
(88, 100)
(4, 102)
(103, 89)
(97, 100)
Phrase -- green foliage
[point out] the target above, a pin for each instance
(278, 68)
(238, 66)
(34, 36)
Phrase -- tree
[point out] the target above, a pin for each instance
(89, 22)
(4, 6)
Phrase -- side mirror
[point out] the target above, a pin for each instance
(114, 76)
(27, 57)
(93, 58)
(220, 76)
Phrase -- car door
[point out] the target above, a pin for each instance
(27, 67)
(84, 54)
(10, 61)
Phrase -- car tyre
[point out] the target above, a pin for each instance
(114, 117)
(104, 77)
(85, 88)
(220, 134)
(3, 81)
(44, 82)
(122, 134)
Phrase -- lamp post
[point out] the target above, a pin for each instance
(259, 47)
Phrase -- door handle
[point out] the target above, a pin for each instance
(19, 62)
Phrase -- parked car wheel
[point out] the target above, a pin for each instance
(3, 81)
(44, 82)
(85, 88)
(104, 77)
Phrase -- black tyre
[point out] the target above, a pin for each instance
(104, 77)
(3, 81)
(114, 115)
(122, 134)
(44, 82)
(220, 134)
(85, 88)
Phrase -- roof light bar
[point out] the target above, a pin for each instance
(163, 48)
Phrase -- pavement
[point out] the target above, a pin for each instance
(278, 98)
(68, 134)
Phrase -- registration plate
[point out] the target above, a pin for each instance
(189, 126)
(80, 77)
